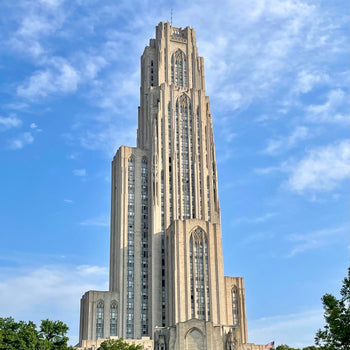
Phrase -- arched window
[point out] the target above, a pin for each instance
(113, 319)
(235, 306)
(199, 275)
(199, 139)
(179, 69)
(184, 130)
(177, 126)
(99, 319)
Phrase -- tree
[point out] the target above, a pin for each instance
(24, 335)
(285, 347)
(18, 335)
(53, 334)
(336, 332)
(118, 344)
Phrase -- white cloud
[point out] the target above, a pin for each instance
(108, 137)
(331, 110)
(22, 140)
(88, 270)
(36, 20)
(60, 77)
(258, 219)
(322, 169)
(80, 172)
(283, 328)
(52, 3)
(51, 291)
(68, 200)
(9, 122)
(306, 80)
(280, 144)
(102, 220)
(315, 240)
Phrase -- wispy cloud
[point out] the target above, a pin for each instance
(55, 291)
(60, 77)
(259, 219)
(332, 110)
(21, 140)
(9, 122)
(283, 328)
(80, 172)
(35, 22)
(315, 240)
(306, 80)
(102, 220)
(275, 146)
(322, 169)
(107, 136)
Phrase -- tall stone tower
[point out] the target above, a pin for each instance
(167, 285)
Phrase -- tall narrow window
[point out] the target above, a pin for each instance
(99, 319)
(199, 275)
(179, 69)
(144, 247)
(199, 138)
(113, 319)
(151, 74)
(208, 197)
(192, 177)
(163, 247)
(234, 306)
(183, 115)
(130, 250)
(170, 166)
(177, 115)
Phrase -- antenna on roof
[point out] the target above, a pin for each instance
(171, 17)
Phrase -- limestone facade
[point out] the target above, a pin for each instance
(166, 265)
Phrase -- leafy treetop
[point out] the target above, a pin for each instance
(24, 335)
(118, 344)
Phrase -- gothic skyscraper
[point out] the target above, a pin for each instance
(167, 283)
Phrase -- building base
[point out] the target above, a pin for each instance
(190, 335)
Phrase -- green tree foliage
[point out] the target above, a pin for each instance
(24, 335)
(286, 347)
(118, 344)
(53, 333)
(336, 332)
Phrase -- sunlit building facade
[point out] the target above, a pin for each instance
(167, 285)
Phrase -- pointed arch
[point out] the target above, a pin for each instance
(113, 318)
(184, 149)
(199, 274)
(194, 339)
(179, 68)
(99, 319)
(235, 308)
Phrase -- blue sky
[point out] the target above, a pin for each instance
(277, 73)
